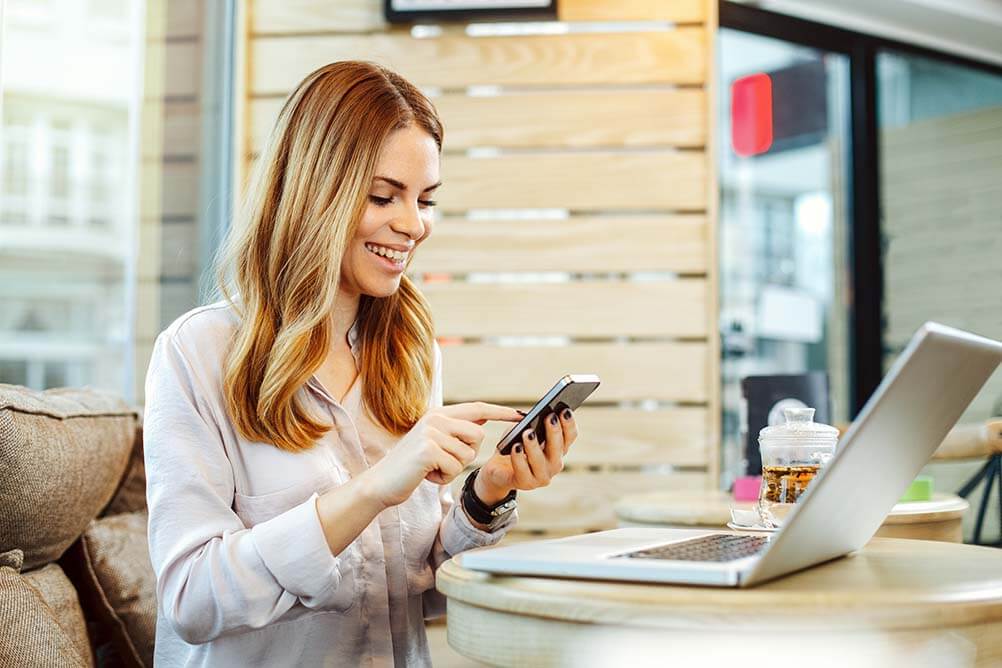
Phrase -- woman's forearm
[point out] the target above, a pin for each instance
(346, 510)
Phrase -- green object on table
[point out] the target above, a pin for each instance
(919, 490)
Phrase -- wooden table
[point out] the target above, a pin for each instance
(895, 603)
(937, 519)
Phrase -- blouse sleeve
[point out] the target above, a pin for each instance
(214, 576)
(456, 533)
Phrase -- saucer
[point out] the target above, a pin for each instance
(756, 528)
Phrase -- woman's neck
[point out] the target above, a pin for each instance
(345, 310)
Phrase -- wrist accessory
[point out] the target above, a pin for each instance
(482, 513)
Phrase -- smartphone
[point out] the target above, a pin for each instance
(569, 392)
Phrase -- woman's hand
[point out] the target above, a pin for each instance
(437, 448)
(530, 465)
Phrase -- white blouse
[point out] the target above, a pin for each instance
(244, 573)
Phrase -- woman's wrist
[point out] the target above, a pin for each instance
(489, 494)
(345, 511)
(368, 489)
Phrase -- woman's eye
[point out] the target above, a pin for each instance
(427, 202)
(380, 201)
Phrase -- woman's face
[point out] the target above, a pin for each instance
(398, 215)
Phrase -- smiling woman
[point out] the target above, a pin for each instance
(298, 453)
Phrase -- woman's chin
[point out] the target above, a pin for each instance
(381, 289)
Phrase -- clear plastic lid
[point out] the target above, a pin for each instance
(799, 429)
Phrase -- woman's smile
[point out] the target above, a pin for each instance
(388, 258)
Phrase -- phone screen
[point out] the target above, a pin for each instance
(569, 392)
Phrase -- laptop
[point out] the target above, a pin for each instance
(920, 399)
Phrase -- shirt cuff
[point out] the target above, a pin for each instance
(294, 548)
(459, 534)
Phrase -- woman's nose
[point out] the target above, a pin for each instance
(409, 223)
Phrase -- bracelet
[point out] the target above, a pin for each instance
(479, 511)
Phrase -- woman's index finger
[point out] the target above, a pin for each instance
(480, 412)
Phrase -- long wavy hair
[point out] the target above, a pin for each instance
(281, 268)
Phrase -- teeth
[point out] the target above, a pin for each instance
(396, 256)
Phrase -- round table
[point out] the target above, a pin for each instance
(896, 602)
(937, 519)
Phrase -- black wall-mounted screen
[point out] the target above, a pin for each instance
(410, 11)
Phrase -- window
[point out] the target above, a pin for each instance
(915, 215)
(15, 165)
(65, 316)
(940, 131)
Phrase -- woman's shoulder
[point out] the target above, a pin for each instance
(203, 330)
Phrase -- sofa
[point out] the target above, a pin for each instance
(76, 584)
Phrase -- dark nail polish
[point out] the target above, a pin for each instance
(518, 449)
(532, 436)
(553, 419)
(567, 413)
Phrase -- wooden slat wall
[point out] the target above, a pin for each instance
(171, 117)
(588, 222)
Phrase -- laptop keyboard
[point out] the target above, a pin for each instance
(715, 547)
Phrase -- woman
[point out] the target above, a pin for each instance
(297, 449)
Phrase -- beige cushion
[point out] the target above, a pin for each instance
(42, 621)
(117, 584)
(62, 455)
(131, 494)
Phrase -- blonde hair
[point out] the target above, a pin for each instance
(281, 271)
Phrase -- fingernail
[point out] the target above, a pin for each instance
(553, 419)
(532, 436)
(567, 413)
(518, 449)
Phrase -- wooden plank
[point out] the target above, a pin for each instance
(176, 298)
(576, 181)
(142, 353)
(628, 437)
(151, 190)
(184, 18)
(179, 249)
(311, 16)
(629, 371)
(456, 61)
(154, 54)
(147, 311)
(149, 250)
(179, 193)
(678, 11)
(151, 130)
(155, 25)
(550, 119)
(575, 119)
(577, 244)
(280, 17)
(581, 502)
(181, 126)
(583, 309)
(241, 107)
(182, 70)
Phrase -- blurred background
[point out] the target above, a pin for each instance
(614, 201)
